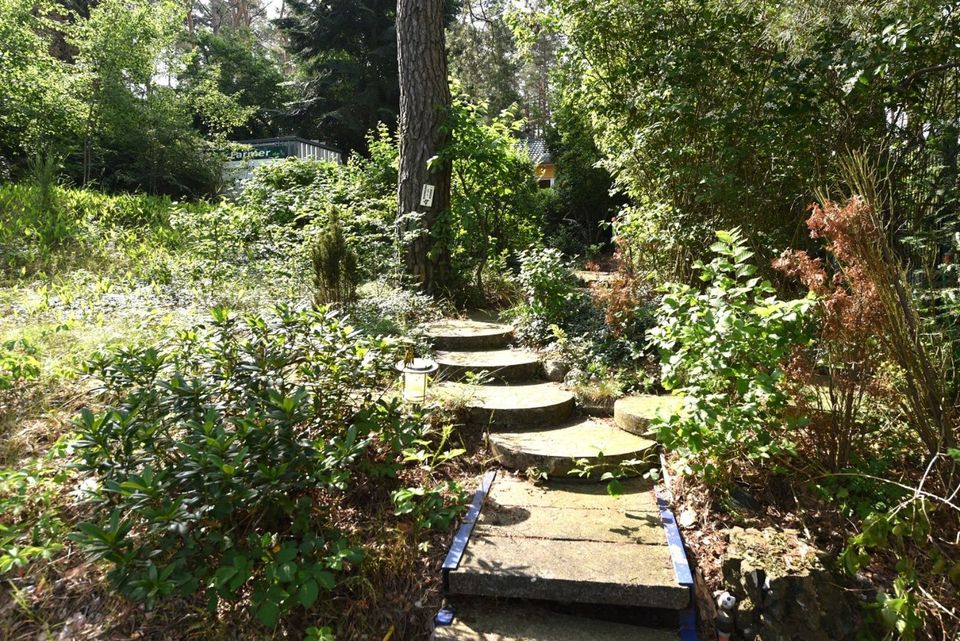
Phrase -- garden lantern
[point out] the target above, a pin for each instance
(416, 375)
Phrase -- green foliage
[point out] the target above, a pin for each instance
(38, 108)
(584, 205)
(724, 123)
(348, 54)
(550, 298)
(492, 192)
(246, 70)
(44, 227)
(139, 133)
(334, 265)
(723, 348)
(482, 55)
(222, 458)
(721, 114)
(91, 85)
(18, 363)
(31, 527)
(547, 283)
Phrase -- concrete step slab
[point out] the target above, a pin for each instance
(637, 495)
(610, 526)
(501, 406)
(568, 571)
(497, 621)
(467, 334)
(635, 413)
(511, 365)
(555, 450)
(588, 277)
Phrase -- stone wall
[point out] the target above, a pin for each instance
(784, 590)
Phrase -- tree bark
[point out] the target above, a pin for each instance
(424, 101)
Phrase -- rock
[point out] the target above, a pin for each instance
(555, 371)
(785, 592)
(688, 518)
(573, 377)
(743, 500)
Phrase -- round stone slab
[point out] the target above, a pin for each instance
(502, 364)
(634, 413)
(556, 450)
(463, 334)
(520, 406)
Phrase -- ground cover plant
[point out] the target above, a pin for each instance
(221, 465)
(133, 278)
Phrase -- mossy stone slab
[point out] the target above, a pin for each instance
(556, 449)
(555, 569)
(636, 497)
(512, 365)
(467, 334)
(635, 413)
(501, 406)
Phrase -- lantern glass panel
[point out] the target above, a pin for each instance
(415, 387)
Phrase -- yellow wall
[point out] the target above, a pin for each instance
(544, 172)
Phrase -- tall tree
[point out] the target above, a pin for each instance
(348, 57)
(483, 56)
(424, 102)
(247, 70)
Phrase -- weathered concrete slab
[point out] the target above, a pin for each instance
(456, 334)
(503, 364)
(611, 526)
(555, 450)
(634, 413)
(499, 406)
(569, 571)
(593, 277)
(524, 622)
(637, 495)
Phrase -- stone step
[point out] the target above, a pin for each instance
(605, 550)
(634, 413)
(510, 365)
(588, 277)
(502, 406)
(498, 621)
(617, 526)
(465, 334)
(556, 449)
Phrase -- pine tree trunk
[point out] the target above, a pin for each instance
(424, 100)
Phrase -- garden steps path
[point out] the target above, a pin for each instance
(504, 365)
(530, 549)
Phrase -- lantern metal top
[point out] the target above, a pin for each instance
(418, 366)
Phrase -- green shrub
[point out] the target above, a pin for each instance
(492, 201)
(384, 308)
(18, 362)
(547, 283)
(224, 460)
(723, 349)
(291, 202)
(334, 266)
(31, 524)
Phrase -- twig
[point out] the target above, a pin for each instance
(901, 485)
(939, 605)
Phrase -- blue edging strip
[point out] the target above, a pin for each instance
(681, 568)
(462, 536)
